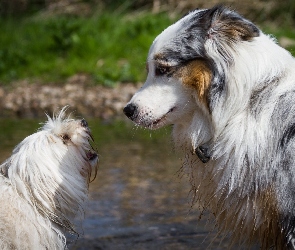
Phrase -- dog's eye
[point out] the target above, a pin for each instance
(160, 70)
(65, 137)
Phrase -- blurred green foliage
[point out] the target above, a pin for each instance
(110, 42)
(109, 46)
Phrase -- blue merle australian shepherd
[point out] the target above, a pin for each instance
(229, 91)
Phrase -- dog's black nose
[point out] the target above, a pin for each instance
(130, 110)
(84, 123)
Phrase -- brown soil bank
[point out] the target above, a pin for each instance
(30, 100)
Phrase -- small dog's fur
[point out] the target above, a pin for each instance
(229, 90)
(44, 183)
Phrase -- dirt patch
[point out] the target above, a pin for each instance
(32, 100)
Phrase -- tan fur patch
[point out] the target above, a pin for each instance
(234, 31)
(197, 75)
(232, 28)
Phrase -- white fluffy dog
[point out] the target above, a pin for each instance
(44, 183)
(229, 90)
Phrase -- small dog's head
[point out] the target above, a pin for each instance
(187, 65)
(51, 168)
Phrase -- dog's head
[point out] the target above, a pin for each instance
(51, 168)
(186, 67)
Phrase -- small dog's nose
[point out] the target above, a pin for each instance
(84, 123)
(130, 110)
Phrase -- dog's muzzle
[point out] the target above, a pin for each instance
(130, 111)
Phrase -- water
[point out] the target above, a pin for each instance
(138, 199)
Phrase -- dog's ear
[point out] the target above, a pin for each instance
(4, 168)
(229, 26)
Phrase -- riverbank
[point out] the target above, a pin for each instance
(31, 100)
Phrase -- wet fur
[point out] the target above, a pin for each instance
(44, 184)
(229, 91)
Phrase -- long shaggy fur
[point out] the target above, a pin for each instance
(229, 91)
(44, 184)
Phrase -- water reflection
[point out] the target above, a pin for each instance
(138, 200)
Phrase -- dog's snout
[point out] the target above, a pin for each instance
(84, 123)
(130, 110)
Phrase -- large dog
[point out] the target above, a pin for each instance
(229, 91)
(44, 183)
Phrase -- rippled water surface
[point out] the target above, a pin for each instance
(138, 199)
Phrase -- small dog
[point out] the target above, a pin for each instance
(229, 91)
(44, 183)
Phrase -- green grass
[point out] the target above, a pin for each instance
(110, 47)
